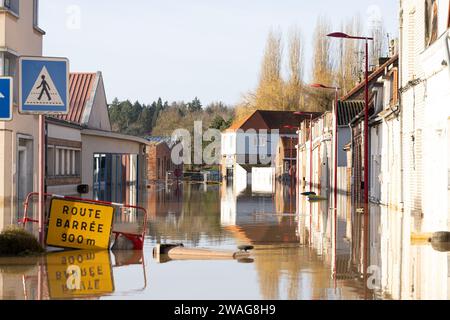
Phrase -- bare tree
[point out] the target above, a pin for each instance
(269, 94)
(294, 85)
(351, 56)
(323, 66)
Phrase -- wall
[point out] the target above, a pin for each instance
(101, 144)
(162, 152)
(240, 178)
(228, 144)
(262, 180)
(19, 36)
(435, 131)
(376, 174)
(98, 113)
(344, 137)
(413, 39)
(425, 82)
(391, 163)
(63, 132)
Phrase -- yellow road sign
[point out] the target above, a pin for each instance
(76, 274)
(79, 225)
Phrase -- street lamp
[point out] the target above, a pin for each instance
(366, 141)
(342, 35)
(336, 89)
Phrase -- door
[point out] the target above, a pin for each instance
(24, 174)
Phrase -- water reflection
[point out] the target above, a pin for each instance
(259, 218)
(298, 254)
(396, 268)
(77, 274)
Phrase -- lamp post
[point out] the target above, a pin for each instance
(342, 35)
(366, 109)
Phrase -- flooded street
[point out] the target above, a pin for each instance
(296, 255)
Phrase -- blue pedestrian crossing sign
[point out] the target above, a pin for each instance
(43, 85)
(6, 98)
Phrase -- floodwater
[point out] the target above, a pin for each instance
(296, 256)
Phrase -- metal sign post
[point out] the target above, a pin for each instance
(43, 90)
(41, 178)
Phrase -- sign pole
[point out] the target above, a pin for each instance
(41, 177)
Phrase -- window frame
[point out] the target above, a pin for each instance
(431, 22)
(13, 8)
(65, 163)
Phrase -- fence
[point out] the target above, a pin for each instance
(129, 221)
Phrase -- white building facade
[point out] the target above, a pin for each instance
(425, 92)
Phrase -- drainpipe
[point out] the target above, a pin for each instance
(400, 105)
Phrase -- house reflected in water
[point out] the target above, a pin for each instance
(258, 218)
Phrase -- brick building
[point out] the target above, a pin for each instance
(159, 159)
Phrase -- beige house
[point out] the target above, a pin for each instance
(19, 36)
(81, 149)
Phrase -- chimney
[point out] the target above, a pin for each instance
(393, 47)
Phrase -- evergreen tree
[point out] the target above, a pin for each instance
(218, 122)
(195, 105)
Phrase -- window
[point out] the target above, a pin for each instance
(448, 21)
(431, 21)
(262, 140)
(12, 5)
(393, 85)
(6, 64)
(63, 162)
(50, 161)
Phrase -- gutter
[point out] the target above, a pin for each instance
(447, 47)
(113, 135)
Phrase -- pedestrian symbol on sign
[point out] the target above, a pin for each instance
(44, 85)
(44, 91)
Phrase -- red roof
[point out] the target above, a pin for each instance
(372, 77)
(270, 120)
(80, 92)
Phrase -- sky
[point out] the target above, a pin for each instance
(180, 49)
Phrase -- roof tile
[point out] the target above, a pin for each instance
(80, 91)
